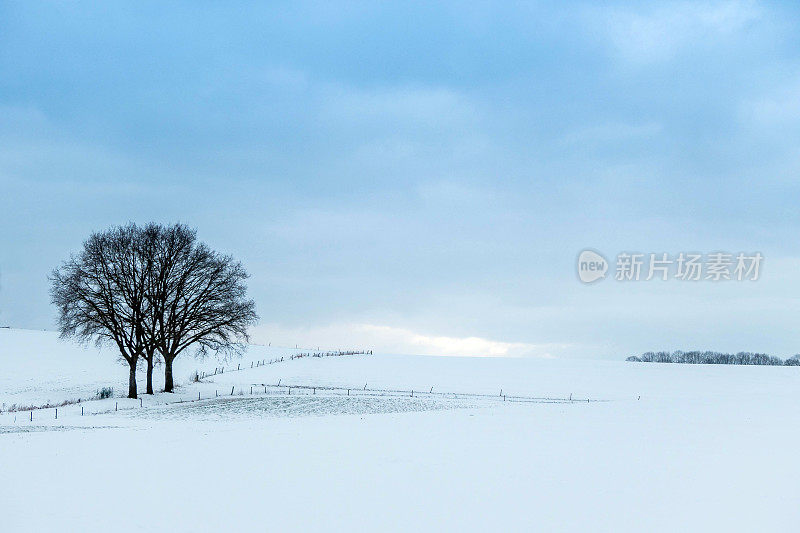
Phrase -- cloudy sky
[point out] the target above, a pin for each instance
(419, 178)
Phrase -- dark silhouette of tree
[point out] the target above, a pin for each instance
(100, 295)
(153, 290)
(147, 248)
(198, 298)
(793, 361)
(709, 358)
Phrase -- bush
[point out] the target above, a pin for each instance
(105, 392)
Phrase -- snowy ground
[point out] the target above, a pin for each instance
(38, 368)
(659, 447)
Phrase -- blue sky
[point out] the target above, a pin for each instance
(419, 177)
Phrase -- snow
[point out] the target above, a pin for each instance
(705, 448)
(38, 368)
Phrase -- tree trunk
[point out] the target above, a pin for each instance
(168, 374)
(132, 382)
(150, 375)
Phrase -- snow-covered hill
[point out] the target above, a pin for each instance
(40, 368)
(664, 447)
(36, 368)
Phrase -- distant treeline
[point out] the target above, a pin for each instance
(714, 358)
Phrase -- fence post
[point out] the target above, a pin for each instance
(198, 395)
(116, 406)
(81, 410)
(56, 413)
(31, 415)
(232, 391)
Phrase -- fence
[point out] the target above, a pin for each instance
(279, 388)
(265, 362)
(198, 376)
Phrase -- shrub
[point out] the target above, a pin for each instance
(105, 392)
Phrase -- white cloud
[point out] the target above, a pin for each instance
(403, 132)
(388, 339)
(658, 33)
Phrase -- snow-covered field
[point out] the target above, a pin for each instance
(342, 444)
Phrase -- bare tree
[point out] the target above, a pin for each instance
(198, 298)
(100, 295)
(709, 358)
(148, 243)
(153, 290)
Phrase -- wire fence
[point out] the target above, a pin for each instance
(264, 362)
(414, 393)
(284, 389)
(287, 390)
(197, 377)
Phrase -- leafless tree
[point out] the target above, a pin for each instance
(198, 298)
(709, 358)
(153, 290)
(147, 247)
(100, 295)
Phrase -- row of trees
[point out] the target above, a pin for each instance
(153, 291)
(714, 358)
